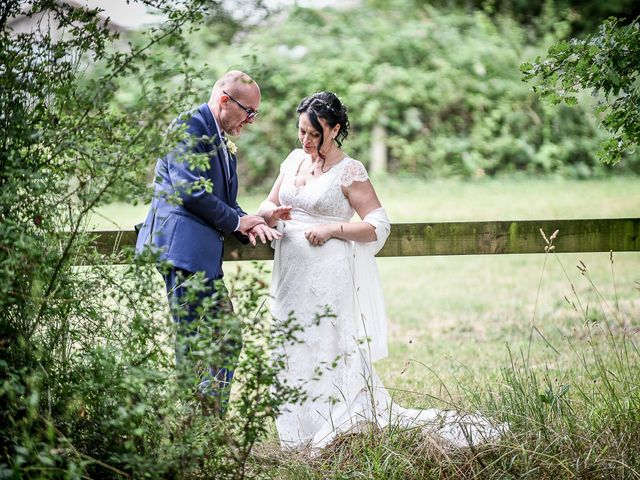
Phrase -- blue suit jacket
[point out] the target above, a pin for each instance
(189, 233)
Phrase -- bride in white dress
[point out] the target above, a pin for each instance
(324, 274)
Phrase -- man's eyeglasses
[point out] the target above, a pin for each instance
(251, 113)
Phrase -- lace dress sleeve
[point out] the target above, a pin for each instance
(353, 171)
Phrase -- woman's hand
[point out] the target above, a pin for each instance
(318, 235)
(283, 212)
(272, 212)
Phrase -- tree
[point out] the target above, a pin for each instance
(585, 15)
(467, 114)
(608, 64)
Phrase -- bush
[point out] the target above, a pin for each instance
(88, 386)
(445, 85)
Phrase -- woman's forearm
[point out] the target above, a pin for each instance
(355, 231)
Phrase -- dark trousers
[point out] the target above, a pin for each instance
(208, 338)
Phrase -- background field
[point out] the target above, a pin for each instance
(451, 319)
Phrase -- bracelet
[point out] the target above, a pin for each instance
(341, 229)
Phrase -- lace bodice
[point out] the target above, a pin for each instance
(323, 196)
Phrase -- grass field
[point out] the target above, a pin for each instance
(446, 313)
(455, 321)
(411, 200)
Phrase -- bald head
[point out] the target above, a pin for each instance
(232, 96)
(234, 83)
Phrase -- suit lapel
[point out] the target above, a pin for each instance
(232, 165)
(219, 145)
(233, 178)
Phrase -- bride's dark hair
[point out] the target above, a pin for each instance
(325, 105)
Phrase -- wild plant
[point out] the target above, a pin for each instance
(88, 382)
(574, 416)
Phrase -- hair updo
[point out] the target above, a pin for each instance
(327, 106)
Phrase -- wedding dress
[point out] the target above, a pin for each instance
(333, 293)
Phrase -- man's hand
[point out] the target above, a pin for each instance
(247, 222)
(264, 233)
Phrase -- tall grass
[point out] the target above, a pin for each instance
(581, 419)
(571, 401)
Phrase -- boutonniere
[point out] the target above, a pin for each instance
(231, 146)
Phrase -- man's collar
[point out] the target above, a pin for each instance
(215, 120)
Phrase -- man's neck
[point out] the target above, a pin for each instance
(216, 117)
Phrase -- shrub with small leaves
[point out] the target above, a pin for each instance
(88, 383)
(606, 63)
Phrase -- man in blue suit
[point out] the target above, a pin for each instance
(193, 208)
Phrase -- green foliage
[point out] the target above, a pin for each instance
(606, 63)
(585, 15)
(88, 386)
(445, 86)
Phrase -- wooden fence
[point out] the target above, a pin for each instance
(453, 238)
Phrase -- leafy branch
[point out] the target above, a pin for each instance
(606, 63)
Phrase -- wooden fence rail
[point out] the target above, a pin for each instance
(453, 238)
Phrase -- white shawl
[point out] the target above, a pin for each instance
(369, 309)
